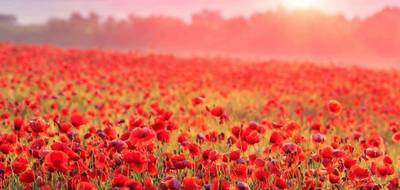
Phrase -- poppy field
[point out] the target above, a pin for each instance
(97, 119)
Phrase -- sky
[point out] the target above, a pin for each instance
(38, 11)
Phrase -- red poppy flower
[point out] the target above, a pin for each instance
(396, 137)
(334, 106)
(358, 172)
(183, 138)
(242, 186)
(18, 123)
(141, 135)
(252, 138)
(214, 155)
(327, 152)
(280, 183)
(289, 148)
(137, 160)
(110, 133)
(6, 148)
(212, 136)
(261, 174)
(19, 165)
(38, 144)
(385, 170)
(318, 138)
(373, 152)
(64, 127)
(220, 184)
(5, 115)
(119, 145)
(197, 100)
(369, 186)
(240, 171)
(194, 150)
(85, 186)
(27, 176)
(179, 161)
(134, 185)
(163, 136)
(394, 184)
(77, 120)
(292, 125)
(234, 155)
(148, 184)
(348, 162)
(217, 111)
(236, 131)
(191, 183)
(242, 145)
(276, 138)
(387, 159)
(170, 183)
(119, 180)
(334, 179)
(56, 161)
(38, 125)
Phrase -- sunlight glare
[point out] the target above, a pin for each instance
(300, 4)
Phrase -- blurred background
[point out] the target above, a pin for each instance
(363, 32)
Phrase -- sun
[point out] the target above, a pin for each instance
(300, 4)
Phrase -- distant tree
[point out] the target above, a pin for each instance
(275, 32)
(8, 20)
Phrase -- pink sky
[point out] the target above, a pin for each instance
(33, 11)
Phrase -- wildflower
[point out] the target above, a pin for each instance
(56, 161)
(18, 123)
(19, 165)
(170, 183)
(37, 125)
(396, 137)
(242, 186)
(318, 138)
(179, 161)
(141, 135)
(77, 120)
(334, 106)
(191, 183)
(220, 184)
(163, 136)
(119, 180)
(289, 149)
(276, 138)
(197, 100)
(217, 111)
(64, 127)
(27, 177)
(137, 160)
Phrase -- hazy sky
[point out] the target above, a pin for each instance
(36, 11)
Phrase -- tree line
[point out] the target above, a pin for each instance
(278, 32)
